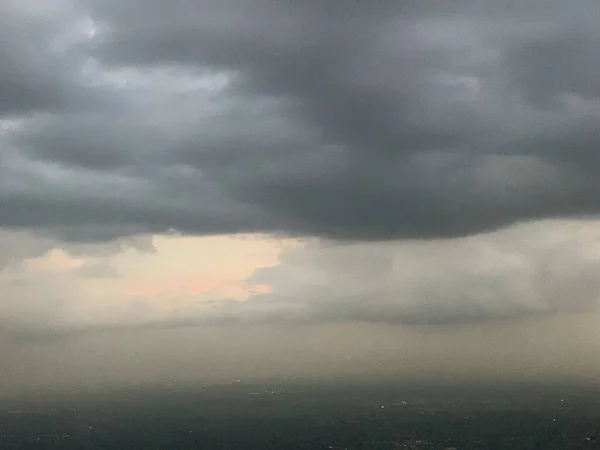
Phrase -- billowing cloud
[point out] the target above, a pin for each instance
(361, 122)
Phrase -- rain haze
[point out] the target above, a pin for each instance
(206, 191)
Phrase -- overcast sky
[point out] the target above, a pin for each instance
(320, 174)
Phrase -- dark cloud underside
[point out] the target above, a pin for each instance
(354, 120)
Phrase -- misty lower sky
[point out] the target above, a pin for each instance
(203, 191)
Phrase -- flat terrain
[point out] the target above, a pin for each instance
(307, 415)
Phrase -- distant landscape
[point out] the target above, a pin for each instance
(309, 415)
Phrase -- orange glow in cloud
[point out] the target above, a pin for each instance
(198, 287)
(184, 273)
(195, 270)
(187, 285)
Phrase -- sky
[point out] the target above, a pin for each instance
(209, 189)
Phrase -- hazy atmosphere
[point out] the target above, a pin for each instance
(203, 191)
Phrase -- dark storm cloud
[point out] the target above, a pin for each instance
(38, 66)
(107, 219)
(358, 120)
(544, 68)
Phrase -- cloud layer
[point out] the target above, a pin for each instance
(537, 268)
(534, 269)
(362, 122)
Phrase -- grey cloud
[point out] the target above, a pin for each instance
(18, 246)
(83, 219)
(86, 142)
(40, 67)
(533, 269)
(14, 247)
(365, 121)
(548, 67)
